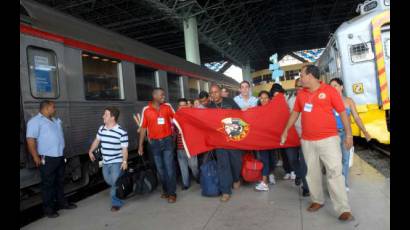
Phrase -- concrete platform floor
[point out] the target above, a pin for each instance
(283, 207)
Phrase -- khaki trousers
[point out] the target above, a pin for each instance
(328, 152)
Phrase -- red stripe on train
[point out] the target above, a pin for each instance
(89, 47)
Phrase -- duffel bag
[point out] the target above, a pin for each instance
(251, 168)
(209, 178)
(146, 179)
(124, 185)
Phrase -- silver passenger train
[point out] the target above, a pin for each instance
(84, 68)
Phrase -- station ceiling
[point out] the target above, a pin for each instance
(236, 30)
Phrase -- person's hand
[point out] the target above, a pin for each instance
(141, 150)
(283, 137)
(124, 165)
(91, 155)
(37, 160)
(348, 142)
(367, 136)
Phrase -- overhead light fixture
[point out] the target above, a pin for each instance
(104, 59)
(113, 61)
(85, 55)
(95, 57)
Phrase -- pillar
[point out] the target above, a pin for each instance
(191, 40)
(246, 73)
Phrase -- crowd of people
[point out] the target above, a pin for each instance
(324, 145)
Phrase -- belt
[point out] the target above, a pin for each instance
(160, 139)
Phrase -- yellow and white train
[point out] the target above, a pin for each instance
(359, 53)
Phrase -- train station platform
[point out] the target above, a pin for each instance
(283, 207)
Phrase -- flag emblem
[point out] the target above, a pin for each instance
(234, 128)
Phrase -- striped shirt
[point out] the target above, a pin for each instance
(112, 141)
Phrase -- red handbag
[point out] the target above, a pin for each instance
(251, 168)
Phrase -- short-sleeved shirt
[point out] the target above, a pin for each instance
(226, 103)
(157, 122)
(298, 125)
(320, 122)
(48, 134)
(112, 141)
(252, 101)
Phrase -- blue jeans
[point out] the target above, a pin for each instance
(162, 151)
(297, 162)
(345, 156)
(184, 162)
(229, 163)
(268, 160)
(111, 172)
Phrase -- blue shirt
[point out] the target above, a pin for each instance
(48, 134)
(339, 123)
(252, 101)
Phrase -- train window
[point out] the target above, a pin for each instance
(145, 79)
(102, 78)
(193, 86)
(361, 52)
(174, 87)
(204, 86)
(43, 72)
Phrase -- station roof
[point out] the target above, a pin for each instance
(235, 30)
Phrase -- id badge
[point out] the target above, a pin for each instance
(160, 121)
(308, 107)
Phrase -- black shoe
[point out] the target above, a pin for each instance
(185, 187)
(52, 214)
(305, 193)
(68, 206)
(298, 181)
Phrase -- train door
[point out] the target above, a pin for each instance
(41, 78)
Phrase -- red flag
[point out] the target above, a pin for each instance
(257, 128)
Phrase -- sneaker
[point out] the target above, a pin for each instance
(347, 189)
(272, 179)
(262, 186)
(287, 176)
(292, 175)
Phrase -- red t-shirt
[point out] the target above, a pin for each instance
(318, 120)
(157, 122)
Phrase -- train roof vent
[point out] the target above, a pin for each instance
(372, 5)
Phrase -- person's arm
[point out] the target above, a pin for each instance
(357, 119)
(124, 164)
(292, 119)
(143, 131)
(32, 134)
(32, 148)
(348, 131)
(94, 145)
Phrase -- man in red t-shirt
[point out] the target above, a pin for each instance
(320, 140)
(156, 119)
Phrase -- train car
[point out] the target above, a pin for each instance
(84, 68)
(359, 53)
